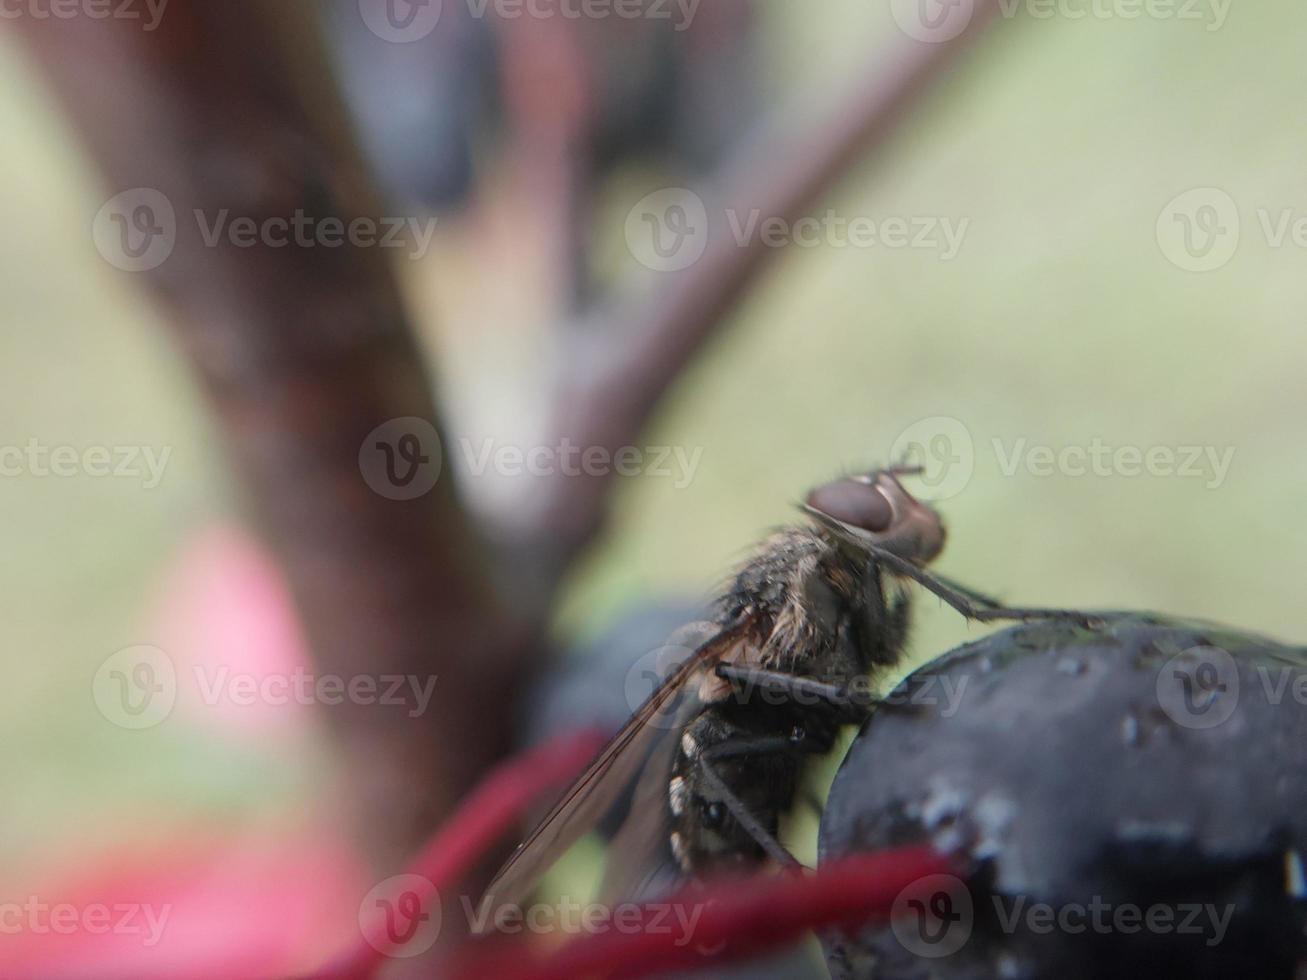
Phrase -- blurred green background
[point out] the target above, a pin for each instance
(1060, 321)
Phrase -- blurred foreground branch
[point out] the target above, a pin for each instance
(229, 112)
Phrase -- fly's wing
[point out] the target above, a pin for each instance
(638, 865)
(657, 723)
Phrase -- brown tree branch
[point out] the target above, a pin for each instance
(228, 108)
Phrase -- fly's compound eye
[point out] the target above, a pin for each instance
(854, 502)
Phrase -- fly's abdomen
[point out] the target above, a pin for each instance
(719, 781)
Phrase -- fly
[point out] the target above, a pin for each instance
(715, 753)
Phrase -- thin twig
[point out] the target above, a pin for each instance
(611, 393)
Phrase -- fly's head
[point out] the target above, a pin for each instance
(865, 518)
(861, 514)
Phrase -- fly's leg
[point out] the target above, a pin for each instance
(846, 705)
(763, 837)
(971, 605)
(979, 598)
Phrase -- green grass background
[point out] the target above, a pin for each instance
(1059, 322)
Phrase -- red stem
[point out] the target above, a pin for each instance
(485, 816)
(736, 919)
